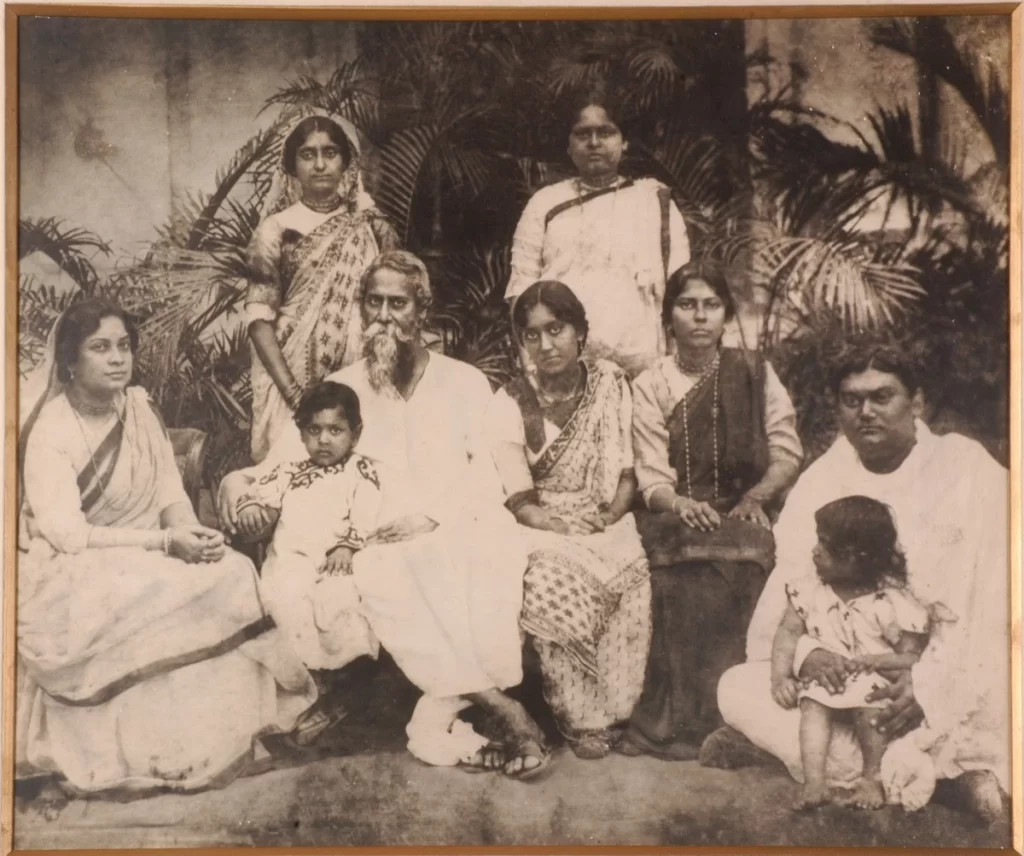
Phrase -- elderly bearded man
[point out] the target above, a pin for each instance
(441, 581)
(949, 716)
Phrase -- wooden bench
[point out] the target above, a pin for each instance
(189, 446)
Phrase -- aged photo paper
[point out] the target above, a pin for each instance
(510, 430)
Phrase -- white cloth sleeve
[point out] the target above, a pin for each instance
(508, 444)
(626, 426)
(650, 439)
(780, 420)
(365, 509)
(51, 490)
(679, 240)
(527, 248)
(263, 294)
(480, 490)
(268, 491)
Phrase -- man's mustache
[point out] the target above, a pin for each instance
(387, 328)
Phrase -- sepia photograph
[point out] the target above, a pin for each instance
(648, 382)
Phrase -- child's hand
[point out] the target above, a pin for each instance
(253, 519)
(785, 691)
(338, 561)
(863, 663)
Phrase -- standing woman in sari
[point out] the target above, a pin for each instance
(146, 658)
(714, 433)
(612, 240)
(319, 233)
(563, 448)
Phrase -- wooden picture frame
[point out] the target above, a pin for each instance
(83, 121)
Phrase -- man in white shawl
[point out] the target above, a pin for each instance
(949, 716)
(441, 583)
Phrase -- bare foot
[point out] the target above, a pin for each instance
(812, 796)
(866, 793)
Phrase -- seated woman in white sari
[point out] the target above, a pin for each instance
(564, 449)
(146, 658)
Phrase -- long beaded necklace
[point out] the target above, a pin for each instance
(79, 406)
(711, 372)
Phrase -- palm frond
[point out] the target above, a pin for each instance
(255, 150)
(65, 246)
(402, 163)
(930, 44)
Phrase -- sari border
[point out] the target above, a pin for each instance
(553, 453)
(169, 664)
(579, 200)
(93, 481)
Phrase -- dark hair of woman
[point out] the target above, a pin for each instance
(304, 130)
(79, 321)
(706, 271)
(598, 97)
(328, 395)
(560, 301)
(862, 529)
(883, 357)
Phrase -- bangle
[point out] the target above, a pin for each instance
(675, 510)
(294, 396)
(167, 542)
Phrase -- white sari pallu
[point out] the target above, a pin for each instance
(136, 670)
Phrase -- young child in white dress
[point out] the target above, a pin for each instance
(327, 506)
(856, 606)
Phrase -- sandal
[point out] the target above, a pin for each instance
(491, 758)
(314, 722)
(592, 745)
(527, 747)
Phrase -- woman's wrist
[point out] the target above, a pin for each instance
(293, 396)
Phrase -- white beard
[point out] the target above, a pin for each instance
(389, 358)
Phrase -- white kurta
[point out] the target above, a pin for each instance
(608, 251)
(321, 507)
(445, 605)
(950, 501)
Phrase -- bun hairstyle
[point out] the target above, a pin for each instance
(863, 529)
(79, 321)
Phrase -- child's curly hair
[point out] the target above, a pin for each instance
(863, 529)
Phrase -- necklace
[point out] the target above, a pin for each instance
(711, 372)
(695, 369)
(548, 399)
(88, 445)
(325, 207)
(80, 405)
(600, 184)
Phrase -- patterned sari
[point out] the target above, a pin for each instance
(704, 584)
(305, 281)
(136, 670)
(586, 599)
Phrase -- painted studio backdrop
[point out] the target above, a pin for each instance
(850, 175)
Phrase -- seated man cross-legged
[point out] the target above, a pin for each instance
(440, 582)
(948, 715)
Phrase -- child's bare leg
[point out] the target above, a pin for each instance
(867, 790)
(815, 736)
